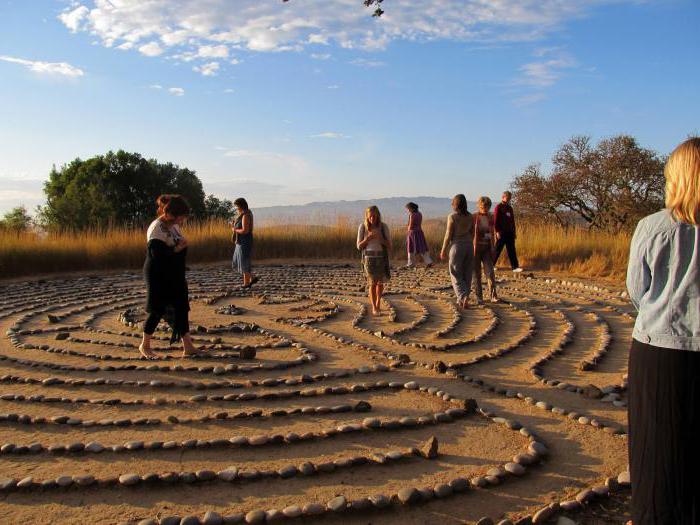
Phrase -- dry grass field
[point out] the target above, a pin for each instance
(306, 409)
(541, 247)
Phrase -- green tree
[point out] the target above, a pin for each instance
(17, 219)
(114, 189)
(215, 208)
(610, 185)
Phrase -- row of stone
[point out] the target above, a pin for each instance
(26, 419)
(406, 496)
(229, 475)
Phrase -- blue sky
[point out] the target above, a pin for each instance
(286, 103)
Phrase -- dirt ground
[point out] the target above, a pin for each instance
(70, 349)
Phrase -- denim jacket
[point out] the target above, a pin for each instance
(663, 281)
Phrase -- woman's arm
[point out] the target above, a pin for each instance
(492, 229)
(410, 221)
(638, 270)
(386, 236)
(246, 224)
(449, 232)
(361, 241)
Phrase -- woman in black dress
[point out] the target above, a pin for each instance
(663, 279)
(164, 272)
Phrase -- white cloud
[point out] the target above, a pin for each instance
(366, 62)
(176, 91)
(190, 25)
(235, 61)
(73, 19)
(208, 70)
(544, 73)
(228, 90)
(152, 49)
(48, 68)
(537, 76)
(155, 86)
(329, 135)
(212, 52)
(333, 86)
(321, 56)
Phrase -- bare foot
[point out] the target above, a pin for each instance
(146, 352)
(375, 311)
(464, 304)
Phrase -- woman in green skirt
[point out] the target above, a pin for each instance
(374, 242)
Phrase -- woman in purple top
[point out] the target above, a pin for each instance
(415, 239)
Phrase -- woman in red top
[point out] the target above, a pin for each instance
(484, 234)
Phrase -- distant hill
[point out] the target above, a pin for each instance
(392, 209)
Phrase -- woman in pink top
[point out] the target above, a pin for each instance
(415, 238)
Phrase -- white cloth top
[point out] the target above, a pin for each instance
(160, 231)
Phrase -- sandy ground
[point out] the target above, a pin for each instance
(287, 304)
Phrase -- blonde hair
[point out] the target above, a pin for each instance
(485, 202)
(369, 211)
(683, 182)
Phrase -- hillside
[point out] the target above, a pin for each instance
(330, 212)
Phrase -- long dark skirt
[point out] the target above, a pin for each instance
(664, 435)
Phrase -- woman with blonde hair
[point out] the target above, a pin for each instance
(663, 280)
(374, 241)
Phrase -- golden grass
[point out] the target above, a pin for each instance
(540, 247)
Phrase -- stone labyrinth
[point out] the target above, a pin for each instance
(305, 408)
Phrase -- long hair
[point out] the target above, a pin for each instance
(459, 202)
(175, 205)
(370, 211)
(412, 207)
(241, 203)
(683, 182)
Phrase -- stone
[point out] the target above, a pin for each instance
(515, 468)
(190, 520)
(64, 481)
(293, 511)
(442, 490)
(570, 505)
(228, 474)
(408, 495)
(585, 496)
(485, 521)
(429, 449)
(255, 516)
(337, 504)
(362, 406)
(624, 479)
(212, 518)
(129, 479)
(170, 520)
(380, 501)
(313, 509)
(592, 392)
(563, 520)
(543, 515)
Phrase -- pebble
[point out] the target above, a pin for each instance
(126, 479)
(293, 511)
(337, 504)
(408, 495)
(255, 516)
(380, 501)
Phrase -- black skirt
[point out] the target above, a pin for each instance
(664, 435)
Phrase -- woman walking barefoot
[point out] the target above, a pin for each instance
(663, 280)
(374, 241)
(164, 272)
(459, 241)
(484, 235)
(243, 234)
(415, 238)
